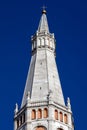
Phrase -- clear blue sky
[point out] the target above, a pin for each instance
(18, 21)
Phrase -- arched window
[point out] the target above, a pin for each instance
(61, 116)
(59, 129)
(47, 42)
(17, 123)
(56, 114)
(33, 114)
(65, 118)
(39, 42)
(39, 113)
(40, 128)
(34, 44)
(43, 42)
(45, 113)
(21, 120)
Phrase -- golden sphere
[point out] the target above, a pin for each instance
(44, 11)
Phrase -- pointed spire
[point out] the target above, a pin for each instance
(68, 103)
(43, 25)
(16, 108)
(40, 77)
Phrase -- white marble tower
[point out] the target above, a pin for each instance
(43, 106)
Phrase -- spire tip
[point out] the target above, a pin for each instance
(44, 10)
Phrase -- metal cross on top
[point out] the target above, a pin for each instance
(44, 9)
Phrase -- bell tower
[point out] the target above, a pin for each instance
(43, 106)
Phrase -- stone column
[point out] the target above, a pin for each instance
(42, 113)
(36, 113)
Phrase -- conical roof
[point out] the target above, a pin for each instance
(43, 25)
(43, 77)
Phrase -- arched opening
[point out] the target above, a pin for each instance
(39, 113)
(43, 41)
(56, 115)
(38, 42)
(40, 128)
(47, 42)
(34, 44)
(65, 118)
(59, 129)
(51, 44)
(21, 120)
(45, 113)
(17, 123)
(61, 116)
(33, 114)
(24, 118)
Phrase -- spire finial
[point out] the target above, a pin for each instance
(68, 103)
(43, 24)
(16, 108)
(44, 9)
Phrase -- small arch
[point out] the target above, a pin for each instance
(23, 117)
(39, 113)
(39, 42)
(40, 128)
(61, 116)
(45, 113)
(56, 114)
(47, 42)
(65, 118)
(21, 120)
(33, 114)
(51, 44)
(59, 129)
(43, 41)
(34, 44)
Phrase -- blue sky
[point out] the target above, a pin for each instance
(18, 21)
